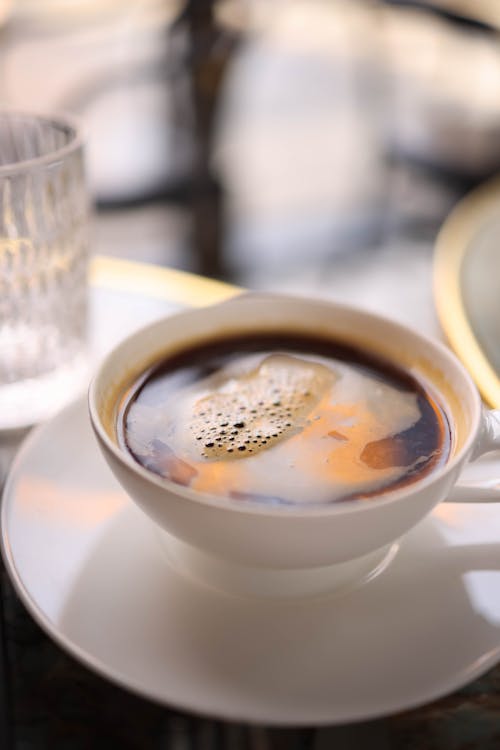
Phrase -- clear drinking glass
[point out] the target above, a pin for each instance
(43, 266)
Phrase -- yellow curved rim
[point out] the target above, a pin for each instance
(452, 244)
(158, 282)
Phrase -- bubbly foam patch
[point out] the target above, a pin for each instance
(248, 413)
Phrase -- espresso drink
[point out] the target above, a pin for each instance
(283, 419)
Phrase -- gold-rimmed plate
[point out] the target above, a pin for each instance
(467, 285)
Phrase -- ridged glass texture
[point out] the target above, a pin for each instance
(43, 267)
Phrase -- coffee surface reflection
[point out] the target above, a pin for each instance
(283, 419)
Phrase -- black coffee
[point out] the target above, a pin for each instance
(281, 418)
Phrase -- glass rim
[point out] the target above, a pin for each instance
(66, 121)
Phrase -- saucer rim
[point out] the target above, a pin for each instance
(461, 678)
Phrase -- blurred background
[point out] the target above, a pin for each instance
(274, 144)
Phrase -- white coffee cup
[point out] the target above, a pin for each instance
(246, 546)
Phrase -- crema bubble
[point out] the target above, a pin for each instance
(292, 418)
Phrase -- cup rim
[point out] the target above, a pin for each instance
(299, 510)
(53, 157)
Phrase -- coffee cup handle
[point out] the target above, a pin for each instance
(488, 490)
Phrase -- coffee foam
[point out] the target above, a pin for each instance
(323, 430)
(247, 413)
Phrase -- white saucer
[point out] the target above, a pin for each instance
(92, 571)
